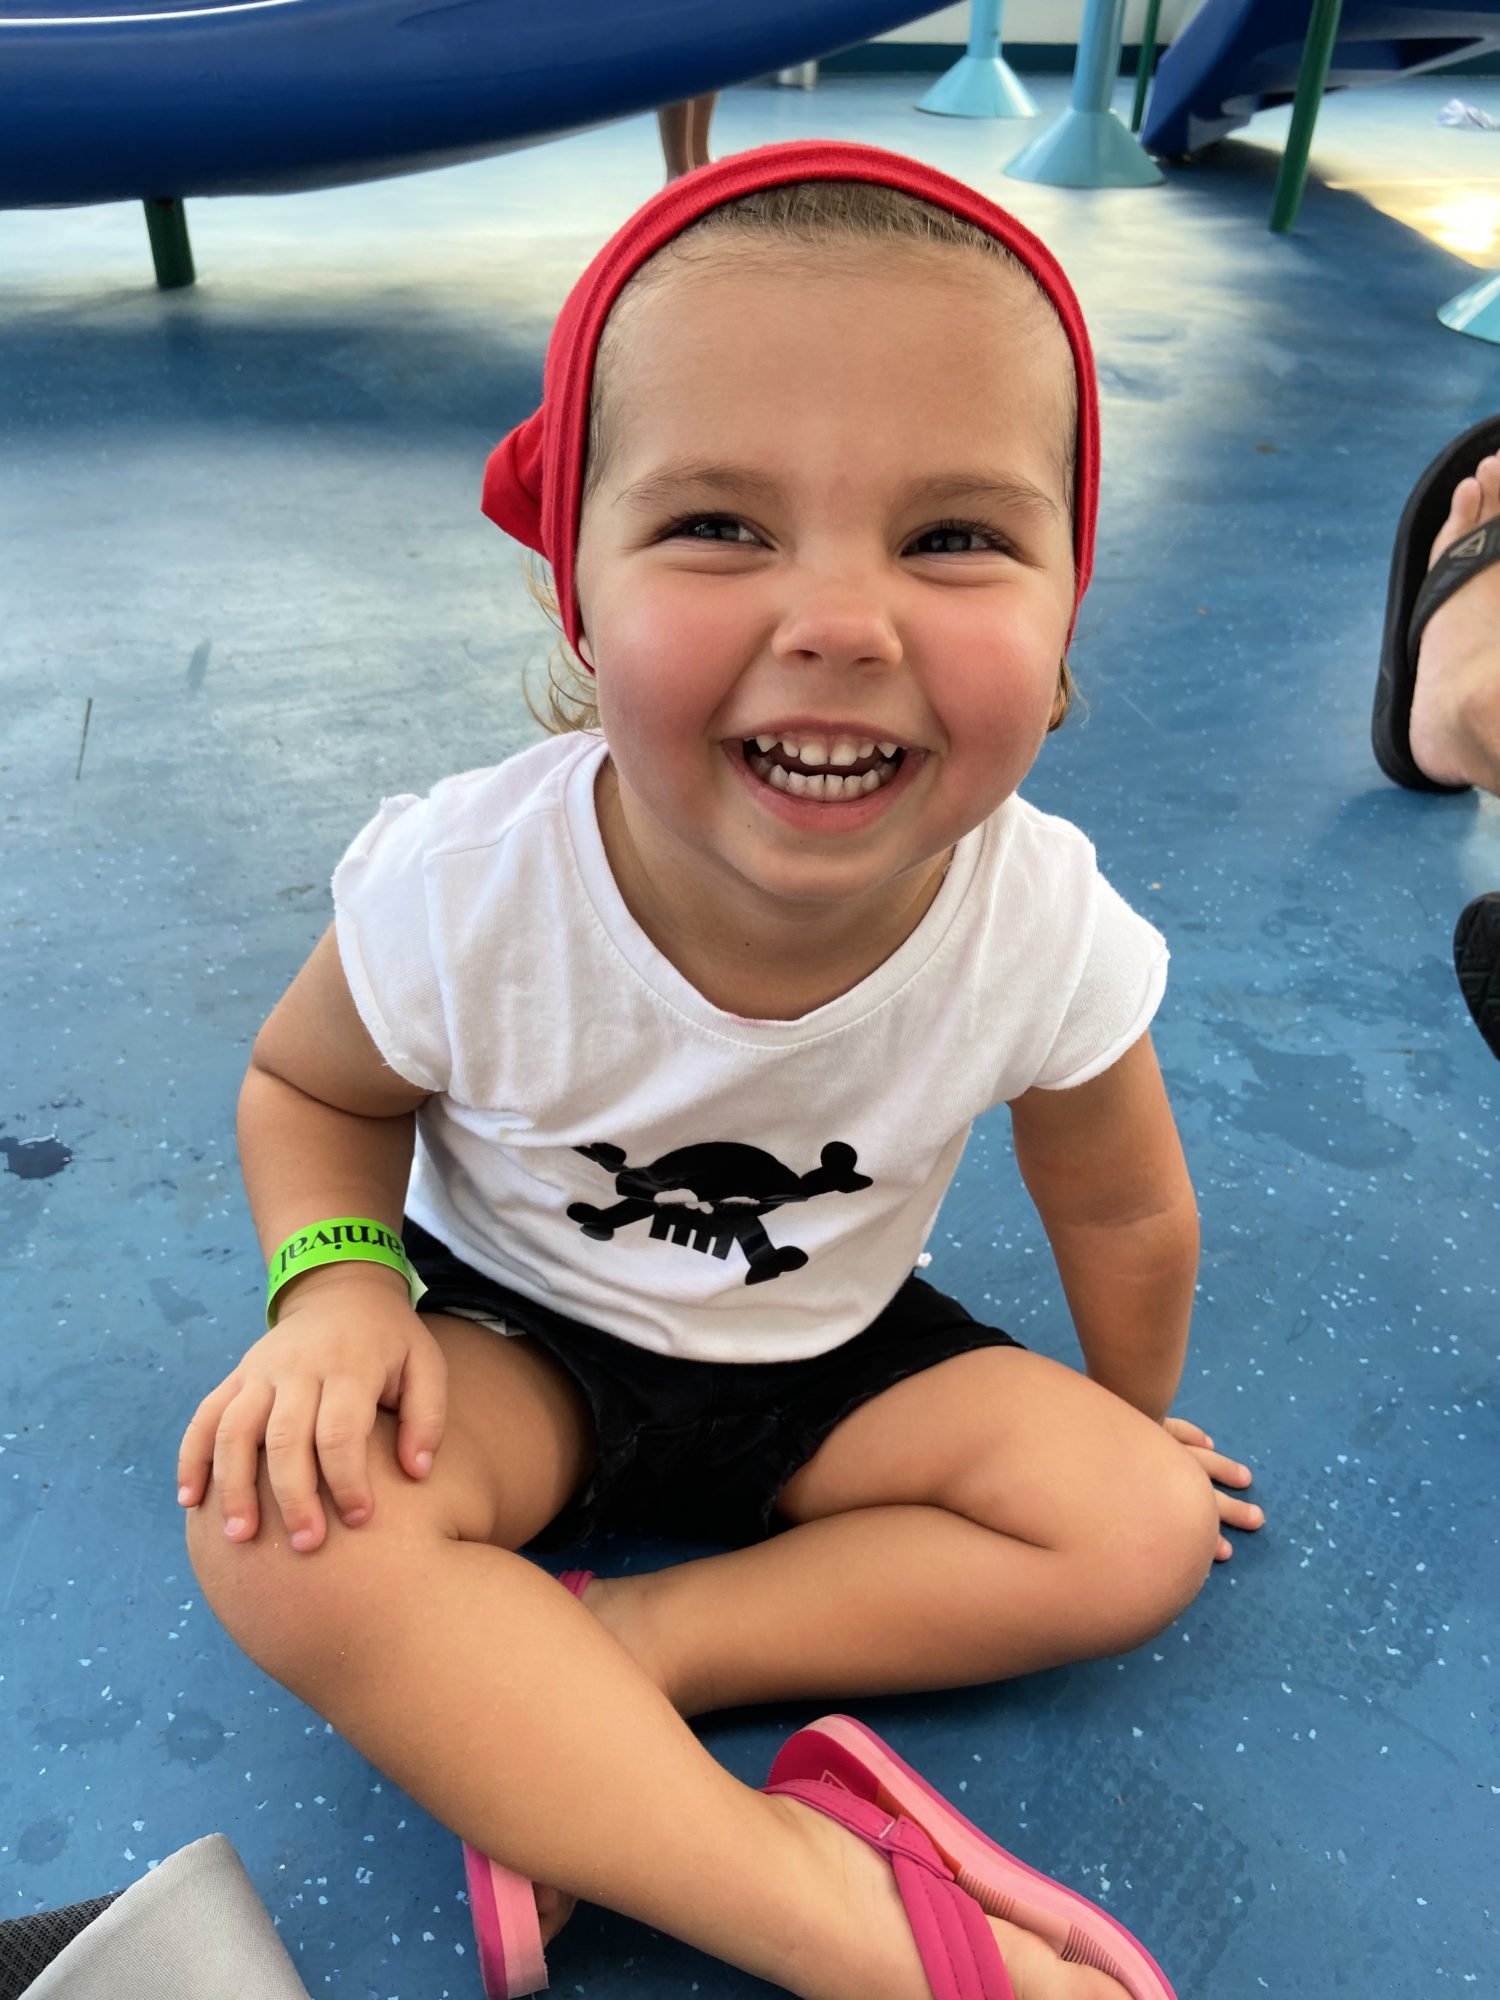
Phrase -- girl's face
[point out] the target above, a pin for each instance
(827, 578)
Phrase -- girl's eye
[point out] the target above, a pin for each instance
(707, 528)
(951, 537)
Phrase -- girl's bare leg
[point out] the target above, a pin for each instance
(502, 1705)
(994, 1515)
(675, 124)
(701, 111)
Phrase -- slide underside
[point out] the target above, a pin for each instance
(114, 100)
(1237, 57)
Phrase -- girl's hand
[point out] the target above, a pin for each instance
(1223, 1472)
(341, 1349)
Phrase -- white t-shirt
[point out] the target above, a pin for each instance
(601, 1139)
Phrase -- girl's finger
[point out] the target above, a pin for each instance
(1223, 1552)
(424, 1408)
(291, 1462)
(1226, 1471)
(236, 1458)
(1239, 1513)
(1186, 1433)
(195, 1455)
(346, 1416)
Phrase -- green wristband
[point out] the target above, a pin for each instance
(344, 1239)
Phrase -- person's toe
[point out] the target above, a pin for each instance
(553, 1909)
(1463, 514)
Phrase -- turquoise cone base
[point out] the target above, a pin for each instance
(1475, 311)
(979, 87)
(1086, 149)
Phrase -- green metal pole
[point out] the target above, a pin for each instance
(1312, 80)
(171, 252)
(1146, 64)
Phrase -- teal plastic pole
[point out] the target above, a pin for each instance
(980, 84)
(1098, 54)
(1089, 146)
(984, 28)
(171, 252)
(1146, 64)
(1312, 81)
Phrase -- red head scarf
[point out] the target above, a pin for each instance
(533, 484)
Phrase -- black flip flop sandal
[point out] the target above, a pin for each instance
(1415, 593)
(1476, 958)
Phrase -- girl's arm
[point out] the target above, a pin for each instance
(325, 1125)
(326, 1129)
(1104, 1166)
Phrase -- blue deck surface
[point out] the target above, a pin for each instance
(242, 548)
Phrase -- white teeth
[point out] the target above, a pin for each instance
(816, 751)
(826, 786)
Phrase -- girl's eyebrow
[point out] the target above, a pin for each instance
(677, 480)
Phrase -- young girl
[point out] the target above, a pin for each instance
(689, 1013)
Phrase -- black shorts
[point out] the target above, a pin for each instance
(701, 1449)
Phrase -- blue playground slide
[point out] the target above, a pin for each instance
(115, 100)
(1237, 57)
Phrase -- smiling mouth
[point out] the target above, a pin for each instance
(816, 768)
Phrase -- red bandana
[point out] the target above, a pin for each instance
(533, 483)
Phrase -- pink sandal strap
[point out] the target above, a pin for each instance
(956, 1945)
(844, 1753)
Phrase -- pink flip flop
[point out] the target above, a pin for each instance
(503, 1903)
(839, 1752)
(956, 1946)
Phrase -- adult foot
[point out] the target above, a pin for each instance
(1455, 709)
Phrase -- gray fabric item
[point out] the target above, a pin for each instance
(193, 1929)
(28, 1945)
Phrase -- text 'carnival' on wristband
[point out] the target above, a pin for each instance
(343, 1239)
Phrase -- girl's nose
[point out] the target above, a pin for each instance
(838, 624)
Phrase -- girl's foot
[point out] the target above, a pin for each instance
(1037, 1973)
(868, 1883)
(553, 1910)
(1455, 709)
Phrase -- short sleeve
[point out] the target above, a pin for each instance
(1118, 992)
(384, 930)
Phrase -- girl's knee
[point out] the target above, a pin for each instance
(1156, 1561)
(291, 1609)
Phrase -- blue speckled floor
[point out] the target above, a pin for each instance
(242, 538)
